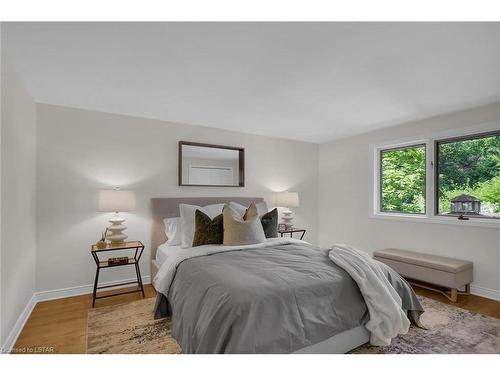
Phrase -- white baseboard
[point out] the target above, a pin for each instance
(50, 295)
(485, 292)
(83, 289)
(18, 326)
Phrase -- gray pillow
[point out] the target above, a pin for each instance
(270, 223)
(239, 231)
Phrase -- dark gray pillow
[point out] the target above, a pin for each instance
(270, 223)
(207, 231)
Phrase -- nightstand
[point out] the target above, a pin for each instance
(137, 247)
(292, 231)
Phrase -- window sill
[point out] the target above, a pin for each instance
(472, 222)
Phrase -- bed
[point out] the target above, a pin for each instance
(282, 296)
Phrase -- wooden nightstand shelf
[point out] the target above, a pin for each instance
(138, 247)
(292, 231)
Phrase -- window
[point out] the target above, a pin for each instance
(468, 176)
(402, 180)
(450, 176)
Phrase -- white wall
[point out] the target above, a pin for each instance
(344, 169)
(80, 152)
(18, 226)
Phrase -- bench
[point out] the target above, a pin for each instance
(453, 274)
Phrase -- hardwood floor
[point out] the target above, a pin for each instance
(61, 324)
(471, 302)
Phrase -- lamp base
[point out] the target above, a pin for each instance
(287, 218)
(116, 229)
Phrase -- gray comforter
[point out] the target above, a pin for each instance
(276, 299)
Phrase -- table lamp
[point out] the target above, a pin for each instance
(287, 199)
(116, 201)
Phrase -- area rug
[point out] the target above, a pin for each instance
(450, 330)
(130, 328)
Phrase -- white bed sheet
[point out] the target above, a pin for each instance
(163, 251)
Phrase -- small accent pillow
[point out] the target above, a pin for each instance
(207, 231)
(173, 231)
(270, 223)
(239, 231)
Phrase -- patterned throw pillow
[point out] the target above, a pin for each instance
(207, 231)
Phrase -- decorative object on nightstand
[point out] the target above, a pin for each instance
(101, 244)
(291, 232)
(136, 246)
(287, 200)
(116, 201)
(281, 227)
(117, 261)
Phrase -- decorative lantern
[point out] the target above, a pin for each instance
(465, 204)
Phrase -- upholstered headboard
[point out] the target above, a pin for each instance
(162, 208)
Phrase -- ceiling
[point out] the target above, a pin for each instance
(306, 81)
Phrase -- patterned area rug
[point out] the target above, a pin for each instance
(130, 328)
(450, 330)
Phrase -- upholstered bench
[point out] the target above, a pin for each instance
(446, 272)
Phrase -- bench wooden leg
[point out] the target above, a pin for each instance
(454, 293)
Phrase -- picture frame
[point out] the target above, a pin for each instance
(187, 170)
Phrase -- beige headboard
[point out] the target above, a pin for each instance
(162, 208)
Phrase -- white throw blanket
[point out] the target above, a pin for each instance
(387, 318)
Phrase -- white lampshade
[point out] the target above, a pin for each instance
(287, 199)
(116, 201)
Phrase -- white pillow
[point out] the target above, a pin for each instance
(187, 220)
(173, 231)
(240, 209)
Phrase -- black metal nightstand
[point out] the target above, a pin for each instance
(292, 231)
(131, 245)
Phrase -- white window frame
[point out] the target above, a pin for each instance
(429, 141)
